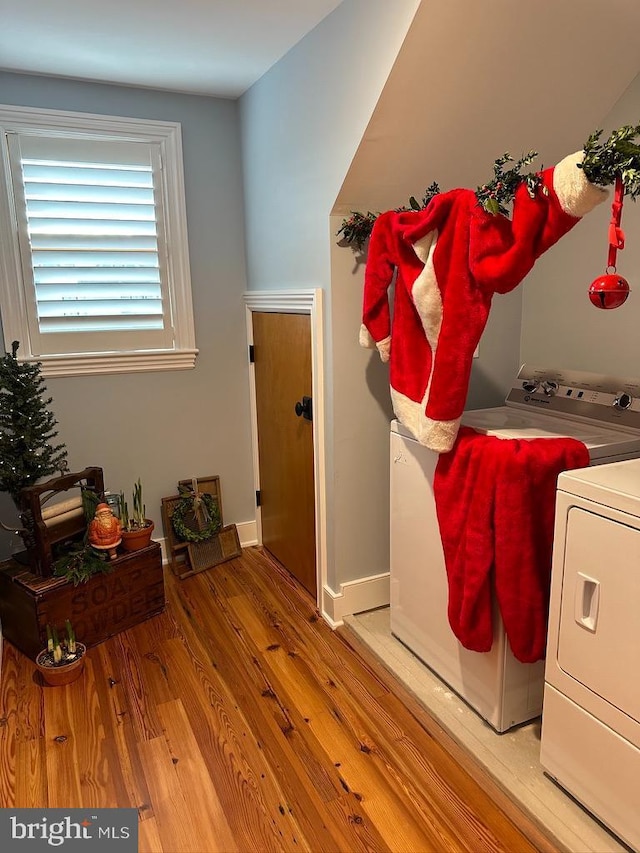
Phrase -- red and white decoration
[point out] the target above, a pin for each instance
(495, 501)
(451, 258)
(611, 290)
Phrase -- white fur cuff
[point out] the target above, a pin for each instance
(384, 348)
(577, 196)
(436, 435)
(365, 339)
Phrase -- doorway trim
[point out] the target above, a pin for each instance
(297, 302)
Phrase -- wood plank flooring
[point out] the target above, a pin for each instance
(238, 721)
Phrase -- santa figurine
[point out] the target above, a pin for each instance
(105, 531)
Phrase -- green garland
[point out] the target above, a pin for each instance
(619, 154)
(79, 563)
(616, 155)
(357, 228)
(495, 195)
(189, 534)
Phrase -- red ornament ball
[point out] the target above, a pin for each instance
(609, 291)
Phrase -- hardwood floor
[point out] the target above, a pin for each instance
(238, 721)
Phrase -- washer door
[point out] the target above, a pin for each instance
(599, 640)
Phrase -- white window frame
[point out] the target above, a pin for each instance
(13, 296)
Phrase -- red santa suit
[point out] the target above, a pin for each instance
(450, 259)
(495, 500)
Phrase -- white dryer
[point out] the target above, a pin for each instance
(591, 717)
(604, 413)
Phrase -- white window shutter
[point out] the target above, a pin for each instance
(92, 241)
(91, 213)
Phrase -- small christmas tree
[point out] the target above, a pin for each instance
(26, 427)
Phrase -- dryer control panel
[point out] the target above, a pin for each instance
(612, 400)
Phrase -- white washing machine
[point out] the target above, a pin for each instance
(604, 413)
(591, 718)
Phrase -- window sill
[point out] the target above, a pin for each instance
(90, 364)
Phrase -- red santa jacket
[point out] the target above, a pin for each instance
(450, 259)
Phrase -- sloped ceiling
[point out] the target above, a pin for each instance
(476, 79)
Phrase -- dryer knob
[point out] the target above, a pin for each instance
(530, 385)
(549, 387)
(623, 401)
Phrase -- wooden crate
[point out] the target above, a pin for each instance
(103, 606)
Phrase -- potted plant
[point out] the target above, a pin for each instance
(136, 528)
(63, 659)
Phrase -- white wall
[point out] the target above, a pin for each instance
(169, 425)
(362, 412)
(470, 81)
(474, 80)
(301, 124)
(560, 326)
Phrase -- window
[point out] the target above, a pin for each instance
(93, 241)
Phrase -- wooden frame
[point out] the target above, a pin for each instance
(300, 301)
(38, 538)
(208, 486)
(189, 558)
(176, 550)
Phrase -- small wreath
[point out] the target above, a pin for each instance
(186, 525)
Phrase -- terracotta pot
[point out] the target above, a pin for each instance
(134, 540)
(55, 676)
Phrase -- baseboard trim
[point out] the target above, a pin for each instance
(355, 597)
(247, 533)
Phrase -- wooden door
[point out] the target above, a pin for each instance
(282, 353)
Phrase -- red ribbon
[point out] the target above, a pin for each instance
(616, 234)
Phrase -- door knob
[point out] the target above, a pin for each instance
(305, 408)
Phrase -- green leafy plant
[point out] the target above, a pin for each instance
(356, 229)
(61, 650)
(617, 155)
(431, 191)
(196, 517)
(79, 562)
(137, 518)
(498, 193)
(90, 500)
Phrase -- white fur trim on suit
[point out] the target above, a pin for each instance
(384, 348)
(365, 338)
(425, 291)
(436, 435)
(577, 196)
(427, 299)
